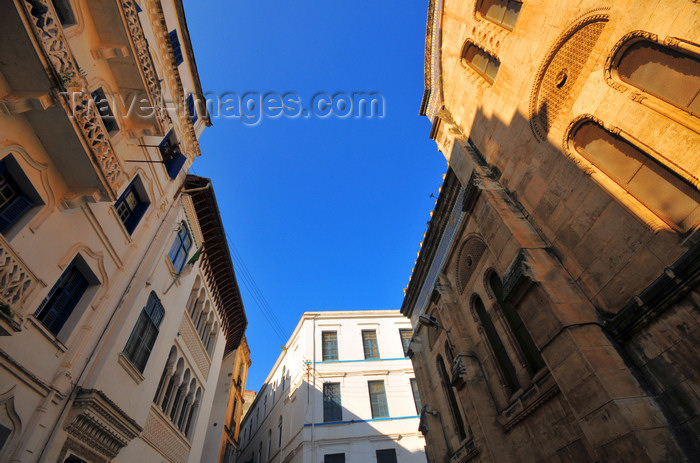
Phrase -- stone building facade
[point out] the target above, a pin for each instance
(341, 391)
(555, 296)
(118, 295)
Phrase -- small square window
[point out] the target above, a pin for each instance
(131, 205)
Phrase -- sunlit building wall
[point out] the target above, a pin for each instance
(341, 391)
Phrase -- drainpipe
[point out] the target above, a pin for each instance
(102, 339)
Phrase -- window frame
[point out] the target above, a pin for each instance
(179, 250)
(176, 47)
(72, 275)
(491, 61)
(148, 322)
(329, 348)
(18, 205)
(172, 156)
(405, 345)
(370, 346)
(416, 395)
(386, 456)
(332, 403)
(136, 213)
(480, 7)
(378, 401)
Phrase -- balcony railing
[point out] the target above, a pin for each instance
(16, 280)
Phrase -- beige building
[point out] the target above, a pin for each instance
(555, 297)
(118, 295)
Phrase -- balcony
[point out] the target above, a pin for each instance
(16, 280)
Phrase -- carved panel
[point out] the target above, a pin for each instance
(162, 436)
(194, 345)
(555, 84)
(16, 280)
(49, 33)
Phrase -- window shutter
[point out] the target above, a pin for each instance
(135, 217)
(175, 164)
(177, 51)
(12, 212)
(63, 300)
(191, 109)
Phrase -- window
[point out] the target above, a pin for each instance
(269, 443)
(131, 205)
(279, 433)
(667, 73)
(332, 409)
(177, 51)
(499, 351)
(369, 344)
(329, 345)
(386, 456)
(64, 12)
(5, 433)
(62, 299)
(481, 61)
(142, 338)
(661, 191)
(501, 12)
(13, 202)
(191, 109)
(104, 110)
(260, 452)
(334, 458)
(228, 453)
(173, 159)
(451, 399)
(180, 248)
(377, 399)
(522, 335)
(406, 335)
(416, 395)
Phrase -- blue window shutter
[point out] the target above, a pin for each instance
(138, 8)
(135, 217)
(175, 165)
(62, 299)
(191, 109)
(12, 212)
(177, 51)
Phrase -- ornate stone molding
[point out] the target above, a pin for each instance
(100, 424)
(66, 72)
(145, 62)
(532, 399)
(16, 280)
(615, 53)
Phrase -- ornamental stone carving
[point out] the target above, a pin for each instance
(16, 281)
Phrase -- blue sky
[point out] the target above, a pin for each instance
(327, 214)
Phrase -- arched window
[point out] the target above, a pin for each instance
(451, 399)
(501, 12)
(522, 335)
(499, 350)
(670, 74)
(664, 193)
(469, 256)
(481, 61)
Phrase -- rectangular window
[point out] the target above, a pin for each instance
(332, 408)
(13, 202)
(177, 51)
(386, 456)
(329, 345)
(405, 340)
(62, 299)
(334, 458)
(104, 110)
(173, 159)
(377, 399)
(144, 335)
(180, 248)
(416, 395)
(191, 109)
(369, 344)
(131, 207)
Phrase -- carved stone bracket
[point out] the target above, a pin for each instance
(16, 280)
(100, 423)
(459, 372)
(465, 453)
(49, 33)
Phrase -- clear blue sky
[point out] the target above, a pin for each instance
(327, 214)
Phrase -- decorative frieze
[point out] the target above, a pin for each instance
(194, 345)
(163, 437)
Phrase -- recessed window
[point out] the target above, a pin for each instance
(332, 408)
(369, 344)
(386, 456)
(329, 345)
(501, 12)
(132, 205)
(59, 304)
(665, 194)
(177, 50)
(406, 336)
(105, 111)
(14, 203)
(192, 109)
(416, 395)
(667, 73)
(180, 248)
(173, 159)
(334, 458)
(5, 434)
(65, 12)
(377, 399)
(481, 61)
(499, 350)
(143, 337)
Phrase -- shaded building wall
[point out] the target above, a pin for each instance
(600, 271)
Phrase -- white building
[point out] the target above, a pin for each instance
(343, 390)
